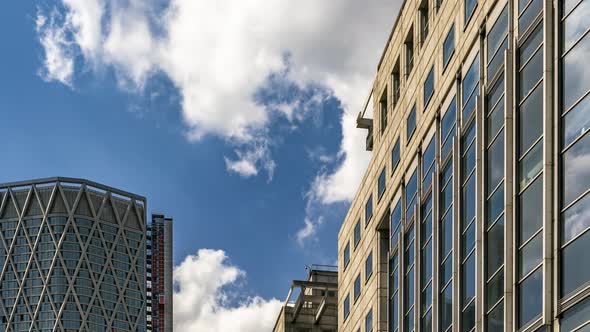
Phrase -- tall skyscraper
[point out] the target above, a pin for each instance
(72, 257)
(473, 214)
(159, 274)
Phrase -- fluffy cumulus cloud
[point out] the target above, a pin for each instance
(220, 54)
(201, 302)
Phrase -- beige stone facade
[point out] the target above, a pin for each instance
(489, 239)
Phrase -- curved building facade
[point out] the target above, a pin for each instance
(473, 214)
(72, 257)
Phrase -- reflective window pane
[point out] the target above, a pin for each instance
(468, 318)
(446, 271)
(497, 34)
(470, 80)
(395, 155)
(530, 120)
(381, 182)
(427, 298)
(448, 119)
(495, 205)
(531, 74)
(468, 240)
(495, 247)
(576, 24)
(531, 45)
(495, 121)
(576, 122)
(530, 298)
(495, 164)
(429, 86)
(411, 123)
(530, 256)
(576, 81)
(449, 46)
(446, 313)
(468, 277)
(531, 165)
(576, 219)
(495, 290)
(369, 209)
(530, 215)
(495, 319)
(529, 15)
(576, 316)
(576, 170)
(468, 162)
(469, 9)
(498, 60)
(469, 201)
(574, 274)
(447, 234)
(427, 321)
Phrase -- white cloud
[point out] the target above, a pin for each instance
(201, 302)
(219, 54)
(309, 231)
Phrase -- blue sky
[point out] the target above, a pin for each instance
(87, 105)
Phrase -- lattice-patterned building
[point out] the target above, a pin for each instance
(473, 214)
(72, 257)
(159, 274)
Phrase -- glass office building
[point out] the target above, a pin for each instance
(72, 257)
(479, 184)
(159, 274)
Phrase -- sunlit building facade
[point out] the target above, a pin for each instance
(72, 257)
(474, 212)
(159, 274)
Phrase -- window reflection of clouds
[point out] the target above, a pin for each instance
(576, 219)
(576, 73)
(576, 24)
(576, 170)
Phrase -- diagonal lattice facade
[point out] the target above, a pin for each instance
(72, 257)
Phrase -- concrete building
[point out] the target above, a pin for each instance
(315, 307)
(473, 212)
(159, 274)
(72, 257)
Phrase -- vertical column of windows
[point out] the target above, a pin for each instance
(395, 226)
(496, 44)
(529, 154)
(428, 169)
(574, 235)
(409, 257)
(469, 93)
(447, 135)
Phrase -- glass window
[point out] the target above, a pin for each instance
(576, 317)
(429, 86)
(495, 290)
(527, 17)
(496, 120)
(531, 165)
(396, 85)
(449, 46)
(576, 171)
(468, 319)
(574, 274)
(469, 201)
(497, 34)
(495, 164)
(530, 298)
(369, 210)
(411, 189)
(346, 255)
(530, 120)
(530, 46)
(369, 321)
(495, 244)
(530, 256)
(381, 183)
(530, 214)
(427, 164)
(411, 123)
(576, 81)
(396, 217)
(383, 108)
(576, 122)
(468, 274)
(369, 266)
(409, 52)
(469, 9)
(357, 287)
(448, 129)
(447, 234)
(395, 155)
(495, 319)
(531, 74)
(576, 24)
(346, 306)
(446, 313)
(495, 95)
(576, 219)
(357, 233)
(495, 205)
(469, 87)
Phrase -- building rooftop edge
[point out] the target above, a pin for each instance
(72, 180)
(399, 14)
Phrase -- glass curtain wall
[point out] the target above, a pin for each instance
(496, 44)
(469, 93)
(529, 164)
(447, 136)
(428, 169)
(574, 143)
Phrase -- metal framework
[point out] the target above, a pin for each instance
(72, 257)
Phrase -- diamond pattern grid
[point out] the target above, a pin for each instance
(85, 284)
